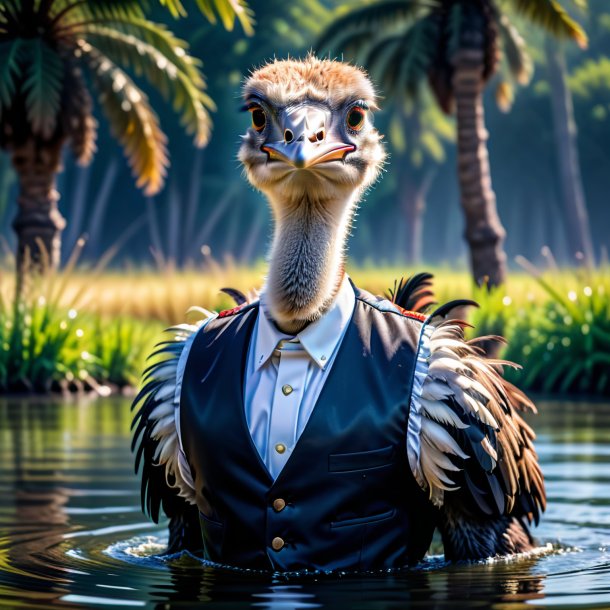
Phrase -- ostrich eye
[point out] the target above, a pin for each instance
(259, 118)
(355, 118)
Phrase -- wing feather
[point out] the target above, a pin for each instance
(166, 482)
(468, 445)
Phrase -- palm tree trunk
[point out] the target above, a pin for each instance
(413, 190)
(38, 223)
(565, 132)
(484, 231)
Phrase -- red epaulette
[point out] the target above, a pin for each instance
(231, 312)
(414, 315)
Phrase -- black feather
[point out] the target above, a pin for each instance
(156, 489)
(237, 295)
(444, 309)
(414, 294)
(185, 532)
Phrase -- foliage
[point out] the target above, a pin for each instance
(565, 341)
(591, 78)
(559, 334)
(557, 324)
(48, 48)
(420, 133)
(120, 347)
(228, 11)
(405, 44)
(47, 344)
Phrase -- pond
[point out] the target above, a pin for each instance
(72, 534)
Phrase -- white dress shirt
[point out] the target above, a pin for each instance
(281, 389)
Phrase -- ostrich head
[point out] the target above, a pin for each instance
(311, 150)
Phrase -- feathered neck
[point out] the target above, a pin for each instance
(306, 263)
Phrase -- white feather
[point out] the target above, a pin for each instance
(489, 449)
(163, 410)
(166, 371)
(164, 414)
(440, 439)
(441, 413)
(435, 390)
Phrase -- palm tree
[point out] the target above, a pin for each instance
(417, 136)
(227, 10)
(53, 53)
(566, 147)
(454, 45)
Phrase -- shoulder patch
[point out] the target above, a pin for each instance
(414, 315)
(385, 305)
(231, 312)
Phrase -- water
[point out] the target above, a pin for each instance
(72, 534)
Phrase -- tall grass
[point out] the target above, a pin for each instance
(82, 330)
(564, 341)
(48, 343)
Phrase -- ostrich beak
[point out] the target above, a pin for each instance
(304, 141)
(305, 154)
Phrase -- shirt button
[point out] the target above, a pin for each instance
(287, 389)
(277, 544)
(280, 447)
(279, 505)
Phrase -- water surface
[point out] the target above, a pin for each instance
(72, 534)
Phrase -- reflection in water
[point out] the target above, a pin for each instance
(72, 534)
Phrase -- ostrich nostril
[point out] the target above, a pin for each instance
(318, 136)
(288, 136)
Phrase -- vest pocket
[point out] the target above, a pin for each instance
(388, 514)
(213, 534)
(361, 460)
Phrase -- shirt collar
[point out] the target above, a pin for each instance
(320, 338)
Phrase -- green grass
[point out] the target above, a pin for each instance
(48, 345)
(82, 330)
(564, 342)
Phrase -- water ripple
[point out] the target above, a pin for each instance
(73, 535)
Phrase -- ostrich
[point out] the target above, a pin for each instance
(409, 427)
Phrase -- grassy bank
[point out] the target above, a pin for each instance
(166, 296)
(78, 330)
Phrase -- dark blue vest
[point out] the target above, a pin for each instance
(347, 498)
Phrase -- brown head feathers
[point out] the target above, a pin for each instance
(283, 81)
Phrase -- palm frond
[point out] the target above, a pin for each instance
(454, 25)
(380, 51)
(162, 39)
(10, 71)
(440, 77)
(192, 103)
(44, 75)
(373, 18)
(551, 16)
(515, 51)
(406, 62)
(353, 44)
(505, 96)
(9, 11)
(175, 7)
(78, 122)
(66, 11)
(227, 10)
(132, 120)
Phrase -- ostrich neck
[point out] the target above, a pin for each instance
(307, 259)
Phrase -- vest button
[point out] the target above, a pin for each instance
(287, 389)
(277, 544)
(279, 505)
(280, 448)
